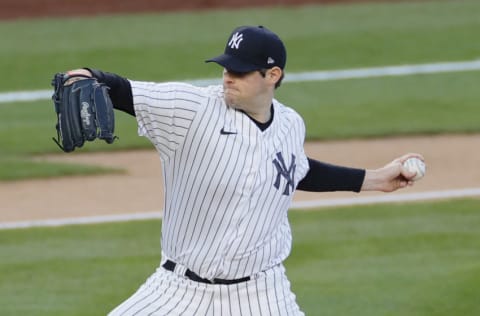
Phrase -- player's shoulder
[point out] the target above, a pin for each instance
(165, 87)
(287, 112)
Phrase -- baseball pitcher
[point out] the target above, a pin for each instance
(232, 157)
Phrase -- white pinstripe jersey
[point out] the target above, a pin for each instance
(228, 185)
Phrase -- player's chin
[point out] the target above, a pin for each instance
(231, 100)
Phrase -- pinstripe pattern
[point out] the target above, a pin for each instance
(226, 196)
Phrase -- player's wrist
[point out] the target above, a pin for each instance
(371, 180)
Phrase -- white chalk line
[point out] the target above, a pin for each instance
(304, 205)
(402, 70)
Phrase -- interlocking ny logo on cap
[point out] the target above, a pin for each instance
(235, 41)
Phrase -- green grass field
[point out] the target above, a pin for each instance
(401, 259)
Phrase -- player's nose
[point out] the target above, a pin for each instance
(227, 75)
(228, 79)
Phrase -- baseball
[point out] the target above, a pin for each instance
(415, 165)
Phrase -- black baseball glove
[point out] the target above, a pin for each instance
(84, 111)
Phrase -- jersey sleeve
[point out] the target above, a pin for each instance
(165, 112)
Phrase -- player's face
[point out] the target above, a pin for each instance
(243, 90)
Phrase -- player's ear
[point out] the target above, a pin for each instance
(274, 74)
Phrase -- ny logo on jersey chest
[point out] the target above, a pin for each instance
(283, 172)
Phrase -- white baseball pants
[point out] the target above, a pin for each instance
(166, 293)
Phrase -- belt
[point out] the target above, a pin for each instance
(170, 266)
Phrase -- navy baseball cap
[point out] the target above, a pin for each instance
(252, 48)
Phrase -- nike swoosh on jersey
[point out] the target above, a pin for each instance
(224, 132)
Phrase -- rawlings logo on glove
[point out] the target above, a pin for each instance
(84, 114)
(84, 111)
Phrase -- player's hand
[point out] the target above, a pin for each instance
(391, 177)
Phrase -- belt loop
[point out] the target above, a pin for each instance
(180, 270)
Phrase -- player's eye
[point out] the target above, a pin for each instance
(237, 74)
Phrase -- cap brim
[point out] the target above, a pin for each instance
(233, 63)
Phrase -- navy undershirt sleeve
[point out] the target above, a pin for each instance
(324, 177)
(120, 91)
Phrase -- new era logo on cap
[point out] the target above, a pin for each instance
(252, 48)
